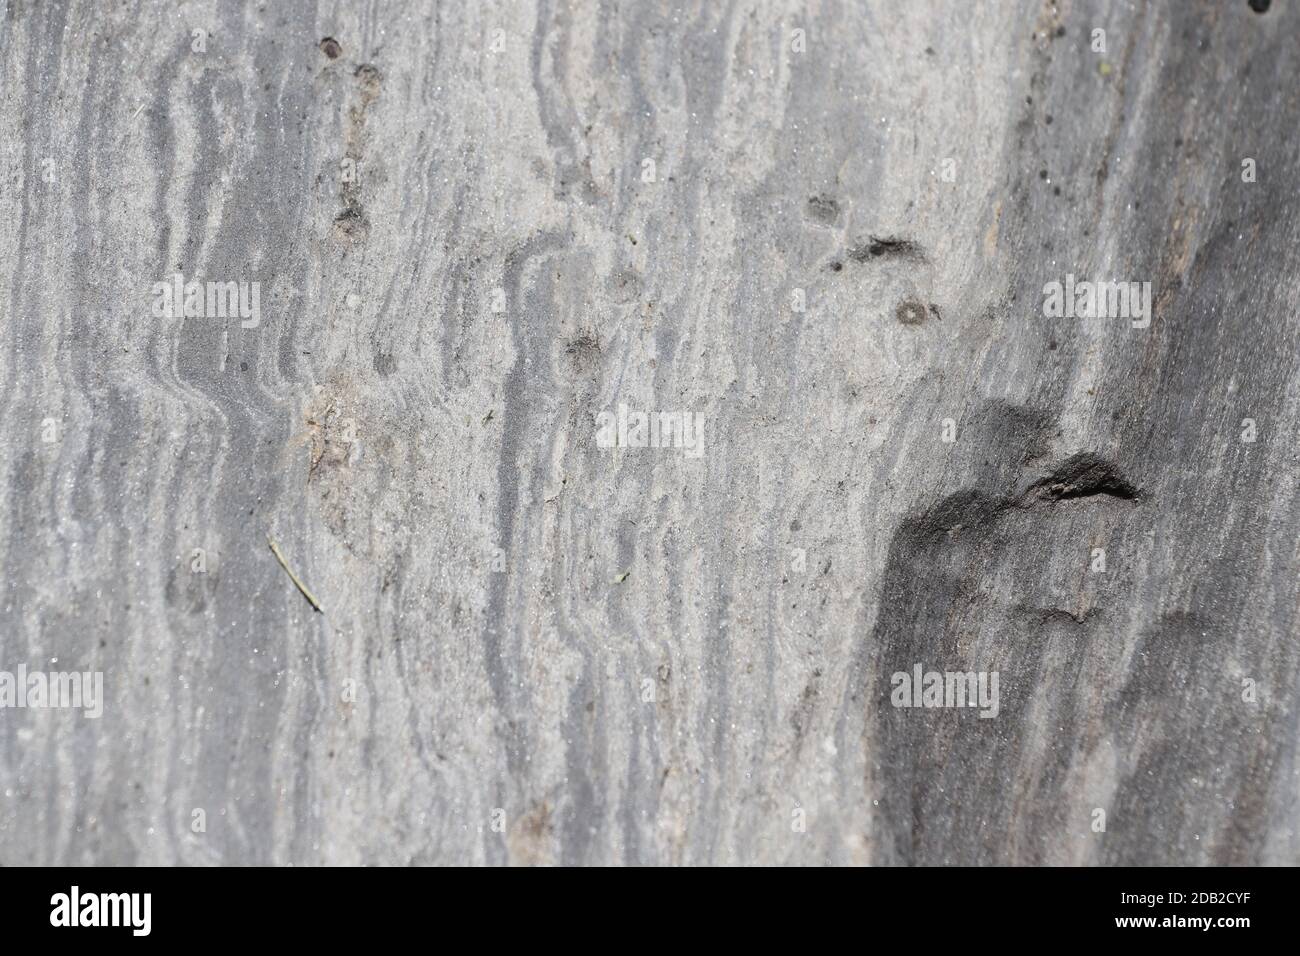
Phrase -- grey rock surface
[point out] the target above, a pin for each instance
(826, 227)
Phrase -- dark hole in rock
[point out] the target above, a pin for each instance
(910, 312)
(890, 246)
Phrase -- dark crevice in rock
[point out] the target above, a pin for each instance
(1047, 615)
(1084, 475)
(888, 247)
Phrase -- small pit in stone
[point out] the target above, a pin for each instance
(823, 209)
(910, 312)
(351, 224)
(886, 247)
(583, 350)
(331, 48)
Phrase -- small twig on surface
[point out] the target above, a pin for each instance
(293, 577)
